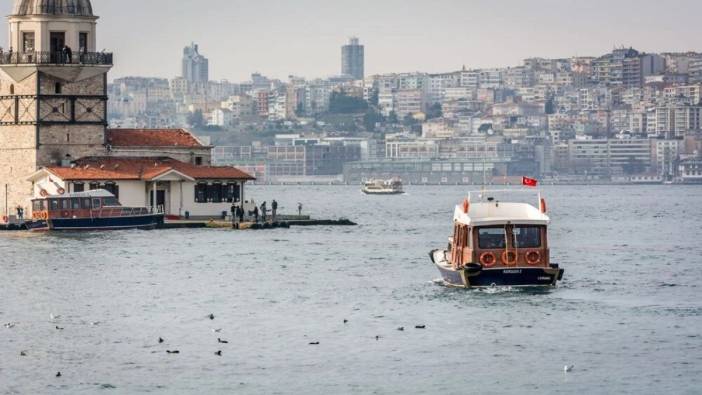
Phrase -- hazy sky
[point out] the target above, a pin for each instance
(303, 37)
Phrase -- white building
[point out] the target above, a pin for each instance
(181, 189)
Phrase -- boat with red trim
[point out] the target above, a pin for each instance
(91, 210)
(498, 243)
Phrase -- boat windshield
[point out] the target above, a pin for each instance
(527, 236)
(110, 202)
(492, 238)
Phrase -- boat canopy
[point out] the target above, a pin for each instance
(95, 193)
(501, 207)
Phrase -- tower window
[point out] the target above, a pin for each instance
(28, 42)
(58, 88)
(68, 137)
(12, 89)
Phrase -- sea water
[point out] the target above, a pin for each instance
(628, 314)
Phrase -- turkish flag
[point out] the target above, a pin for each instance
(530, 182)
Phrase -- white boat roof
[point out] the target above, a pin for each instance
(499, 207)
(95, 193)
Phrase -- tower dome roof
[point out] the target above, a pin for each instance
(53, 7)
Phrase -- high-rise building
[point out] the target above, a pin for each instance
(352, 59)
(196, 68)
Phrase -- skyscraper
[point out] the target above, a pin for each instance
(352, 59)
(196, 68)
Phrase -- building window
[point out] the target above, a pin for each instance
(214, 193)
(58, 88)
(83, 42)
(198, 161)
(201, 193)
(112, 188)
(232, 193)
(78, 187)
(28, 42)
(12, 89)
(94, 186)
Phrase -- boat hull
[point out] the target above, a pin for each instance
(478, 277)
(89, 224)
(383, 192)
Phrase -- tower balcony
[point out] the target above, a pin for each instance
(78, 67)
(56, 58)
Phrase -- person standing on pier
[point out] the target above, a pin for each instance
(299, 209)
(255, 213)
(274, 207)
(263, 211)
(235, 217)
(240, 214)
(20, 214)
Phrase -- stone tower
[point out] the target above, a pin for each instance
(53, 102)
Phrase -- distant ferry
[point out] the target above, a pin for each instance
(383, 187)
(498, 243)
(91, 210)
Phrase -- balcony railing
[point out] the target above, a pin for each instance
(54, 58)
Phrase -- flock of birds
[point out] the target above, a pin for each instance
(54, 318)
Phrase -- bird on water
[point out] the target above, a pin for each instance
(58, 374)
(160, 340)
(173, 352)
(212, 316)
(222, 341)
(568, 368)
(218, 353)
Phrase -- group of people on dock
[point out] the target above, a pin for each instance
(258, 214)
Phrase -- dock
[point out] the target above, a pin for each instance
(284, 223)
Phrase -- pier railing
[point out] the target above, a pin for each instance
(56, 58)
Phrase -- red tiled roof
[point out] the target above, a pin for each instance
(115, 169)
(152, 138)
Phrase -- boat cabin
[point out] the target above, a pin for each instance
(95, 203)
(497, 234)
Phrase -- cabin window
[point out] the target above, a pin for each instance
(85, 203)
(110, 202)
(527, 236)
(38, 205)
(78, 187)
(96, 203)
(53, 204)
(65, 204)
(201, 193)
(75, 204)
(492, 238)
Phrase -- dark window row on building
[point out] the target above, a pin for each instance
(217, 193)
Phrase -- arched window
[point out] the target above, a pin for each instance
(58, 88)
(12, 89)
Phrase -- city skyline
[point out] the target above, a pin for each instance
(304, 38)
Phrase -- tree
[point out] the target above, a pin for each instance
(370, 119)
(410, 120)
(393, 117)
(435, 111)
(341, 103)
(195, 119)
